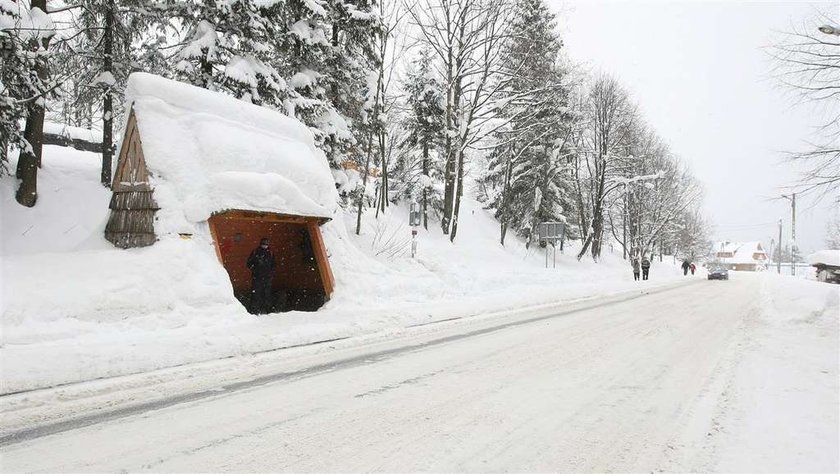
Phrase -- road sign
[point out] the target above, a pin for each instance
(551, 231)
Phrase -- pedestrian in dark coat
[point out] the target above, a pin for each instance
(261, 263)
(692, 267)
(645, 268)
(685, 267)
(635, 264)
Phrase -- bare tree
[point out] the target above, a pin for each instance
(657, 197)
(808, 62)
(466, 37)
(610, 115)
(832, 232)
(389, 45)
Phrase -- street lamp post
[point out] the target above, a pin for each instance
(792, 199)
(830, 30)
(779, 247)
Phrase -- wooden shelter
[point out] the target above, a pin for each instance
(304, 279)
(194, 161)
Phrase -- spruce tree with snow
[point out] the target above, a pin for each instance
(98, 58)
(228, 47)
(325, 57)
(528, 172)
(25, 36)
(425, 125)
(355, 36)
(19, 82)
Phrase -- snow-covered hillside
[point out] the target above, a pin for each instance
(76, 308)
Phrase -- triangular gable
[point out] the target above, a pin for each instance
(132, 173)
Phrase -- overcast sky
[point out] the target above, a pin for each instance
(702, 77)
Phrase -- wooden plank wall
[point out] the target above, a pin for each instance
(131, 221)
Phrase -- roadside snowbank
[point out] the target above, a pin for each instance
(75, 308)
(787, 387)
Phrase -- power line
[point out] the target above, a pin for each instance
(746, 226)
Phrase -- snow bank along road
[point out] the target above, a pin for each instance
(630, 385)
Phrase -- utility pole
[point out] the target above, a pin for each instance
(792, 199)
(779, 247)
(793, 235)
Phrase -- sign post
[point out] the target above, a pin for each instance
(551, 232)
(414, 221)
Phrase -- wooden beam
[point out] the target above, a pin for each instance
(268, 217)
(321, 257)
(215, 237)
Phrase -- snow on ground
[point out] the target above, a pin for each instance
(702, 377)
(75, 308)
(772, 406)
(786, 389)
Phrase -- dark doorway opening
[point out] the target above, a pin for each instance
(302, 280)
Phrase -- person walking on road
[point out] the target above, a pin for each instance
(635, 264)
(692, 267)
(261, 263)
(685, 267)
(645, 268)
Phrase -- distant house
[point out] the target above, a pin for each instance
(742, 256)
(198, 164)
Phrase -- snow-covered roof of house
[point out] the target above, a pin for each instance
(208, 152)
(825, 257)
(743, 251)
(729, 247)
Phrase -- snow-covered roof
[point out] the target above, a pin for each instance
(743, 252)
(76, 133)
(209, 152)
(727, 247)
(825, 257)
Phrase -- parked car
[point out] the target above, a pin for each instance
(828, 273)
(718, 273)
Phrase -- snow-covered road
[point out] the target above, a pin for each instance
(636, 385)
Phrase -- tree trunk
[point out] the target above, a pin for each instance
(383, 160)
(425, 188)
(624, 230)
(597, 233)
(360, 204)
(459, 191)
(27, 166)
(107, 105)
(449, 168)
(585, 247)
(29, 159)
(503, 213)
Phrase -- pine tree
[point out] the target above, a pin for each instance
(98, 60)
(27, 35)
(425, 125)
(528, 171)
(228, 48)
(19, 82)
(311, 59)
(357, 45)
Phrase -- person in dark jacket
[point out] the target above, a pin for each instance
(635, 268)
(685, 267)
(645, 268)
(261, 263)
(692, 267)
